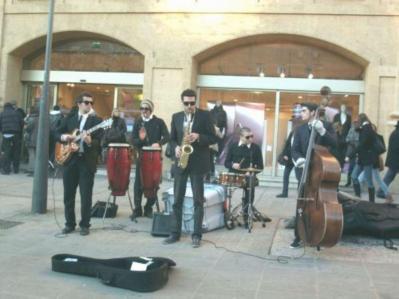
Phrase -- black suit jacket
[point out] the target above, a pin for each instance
(90, 154)
(247, 157)
(199, 161)
(302, 136)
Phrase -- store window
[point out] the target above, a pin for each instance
(89, 55)
(282, 59)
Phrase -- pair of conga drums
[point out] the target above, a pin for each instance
(119, 161)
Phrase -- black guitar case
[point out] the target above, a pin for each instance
(116, 272)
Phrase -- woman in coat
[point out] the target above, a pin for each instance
(366, 156)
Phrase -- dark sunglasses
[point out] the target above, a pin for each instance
(144, 109)
(88, 102)
(189, 103)
(249, 136)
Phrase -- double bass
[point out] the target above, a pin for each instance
(319, 214)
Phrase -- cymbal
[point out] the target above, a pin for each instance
(250, 169)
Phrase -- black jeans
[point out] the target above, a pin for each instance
(12, 151)
(138, 191)
(76, 173)
(197, 185)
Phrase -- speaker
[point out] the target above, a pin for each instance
(161, 224)
(99, 208)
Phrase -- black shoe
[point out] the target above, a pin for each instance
(196, 242)
(170, 240)
(246, 225)
(296, 244)
(148, 212)
(67, 230)
(348, 184)
(84, 231)
(282, 195)
(137, 212)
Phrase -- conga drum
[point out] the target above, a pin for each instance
(151, 170)
(119, 161)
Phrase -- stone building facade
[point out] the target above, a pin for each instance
(187, 43)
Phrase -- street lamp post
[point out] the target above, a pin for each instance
(39, 193)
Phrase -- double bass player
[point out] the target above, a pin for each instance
(325, 136)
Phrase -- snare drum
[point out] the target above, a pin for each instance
(240, 180)
(227, 178)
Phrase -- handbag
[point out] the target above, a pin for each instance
(379, 145)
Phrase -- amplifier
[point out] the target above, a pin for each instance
(161, 224)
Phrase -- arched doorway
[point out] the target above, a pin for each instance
(111, 71)
(272, 74)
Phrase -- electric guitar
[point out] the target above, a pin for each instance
(64, 150)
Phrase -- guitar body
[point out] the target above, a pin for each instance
(320, 221)
(64, 150)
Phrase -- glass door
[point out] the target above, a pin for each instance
(252, 109)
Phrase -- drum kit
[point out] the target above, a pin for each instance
(233, 181)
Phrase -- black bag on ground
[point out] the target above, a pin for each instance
(367, 218)
(161, 224)
(117, 272)
(99, 208)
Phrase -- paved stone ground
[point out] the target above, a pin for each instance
(356, 268)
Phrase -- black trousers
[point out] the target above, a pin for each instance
(197, 185)
(12, 151)
(138, 191)
(76, 173)
(286, 178)
(298, 174)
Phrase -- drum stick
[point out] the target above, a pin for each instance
(242, 160)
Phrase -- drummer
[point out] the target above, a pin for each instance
(149, 130)
(241, 155)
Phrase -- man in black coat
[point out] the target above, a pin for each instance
(241, 155)
(193, 127)
(11, 124)
(392, 160)
(325, 136)
(80, 169)
(286, 160)
(148, 131)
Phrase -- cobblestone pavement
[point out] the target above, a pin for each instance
(259, 264)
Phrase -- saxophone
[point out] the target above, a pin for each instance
(186, 148)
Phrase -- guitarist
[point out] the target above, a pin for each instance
(325, 136)
(81, 167)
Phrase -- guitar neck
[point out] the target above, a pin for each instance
(89, 131)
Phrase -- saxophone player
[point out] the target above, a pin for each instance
(192, 132)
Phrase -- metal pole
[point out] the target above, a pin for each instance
(39, 193)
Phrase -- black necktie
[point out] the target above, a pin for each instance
(80, 120)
